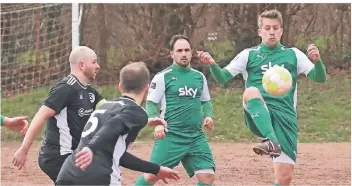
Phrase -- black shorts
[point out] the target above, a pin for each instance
(51, 166)
(98, 173)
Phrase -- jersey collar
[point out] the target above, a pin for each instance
(80, 84)
(179, 68)
(266, 48)
(127, 97)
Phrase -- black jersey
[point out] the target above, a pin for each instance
(73, 104)
(109, 131)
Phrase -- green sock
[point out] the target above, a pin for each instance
(202, 184)
(141, 181)
(261, 118)
(276, 184)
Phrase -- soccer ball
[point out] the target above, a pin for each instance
(277, 81)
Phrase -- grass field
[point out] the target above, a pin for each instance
(324, 111)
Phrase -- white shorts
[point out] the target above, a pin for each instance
(283, 158)
(204, 171)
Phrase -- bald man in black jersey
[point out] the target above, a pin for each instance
(108, 133)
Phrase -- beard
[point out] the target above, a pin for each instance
(184, 62)
(90, 76)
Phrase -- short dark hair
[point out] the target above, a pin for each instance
(178, 37)
(134, 77)
(271, 14)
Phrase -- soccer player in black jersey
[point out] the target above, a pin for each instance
(108, 133)
(66, 110)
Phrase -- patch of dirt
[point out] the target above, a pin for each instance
(317, 164)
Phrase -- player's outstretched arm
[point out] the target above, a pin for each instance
(134, 163)
(37, 123)
(18, 124)
(220, 75)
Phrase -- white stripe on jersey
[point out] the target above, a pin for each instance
(71, 81)
(157, 89)
(239, 63)
(74, 80)
(120, 148)
(162, 107)
(205, 96)
(64, 131)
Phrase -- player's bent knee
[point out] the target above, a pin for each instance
(150, 178)
(251, 93)
(283, 173)
(205, 176)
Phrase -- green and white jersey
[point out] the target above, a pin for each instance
(253, 62)
(179, 91)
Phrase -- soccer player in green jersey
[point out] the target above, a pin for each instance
(184, 99)
(273, 118)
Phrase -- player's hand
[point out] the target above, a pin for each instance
(313, 53)
(156, 121)
(167, 173)
(208, 123)
(20, 158)
(205, 57)
(84, 158)
(19, 124)
(159, 132)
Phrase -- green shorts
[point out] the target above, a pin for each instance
(194, 153)
(285, 128)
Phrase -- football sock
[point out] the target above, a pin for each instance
(141, 181)
(261, 118)
(202, 184)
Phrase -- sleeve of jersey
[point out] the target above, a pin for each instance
(207, 108)
(156, 89)
(314, 71)
(205, 96)
(152, 109)
(238, 64)
(134, 163)
(59, 97)
(318, 73)
(220, 75)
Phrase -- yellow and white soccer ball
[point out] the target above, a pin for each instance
(277, 81)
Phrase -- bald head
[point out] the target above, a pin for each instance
(81, 53)
(134, 77)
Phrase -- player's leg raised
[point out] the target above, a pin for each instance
(254, 105)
